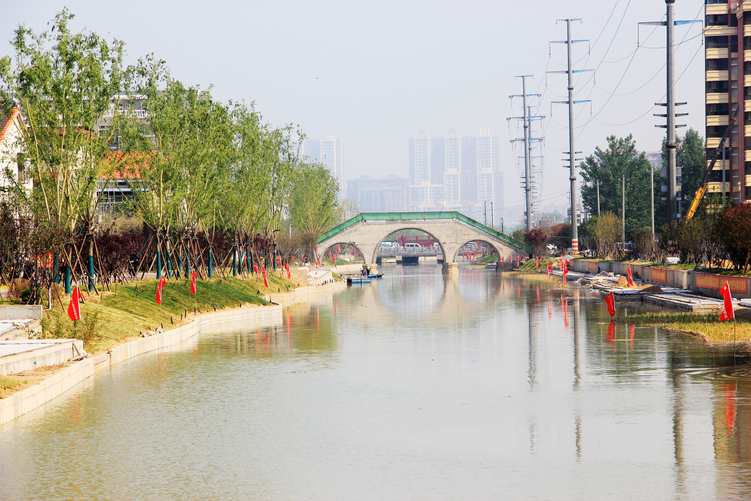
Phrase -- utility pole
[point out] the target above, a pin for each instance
(528, 183)
(673, 188)
(485, 212)
(571, 151)
(598, 197)
(623, 210)
(491, 214)
(652, 194)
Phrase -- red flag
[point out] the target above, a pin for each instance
(265, 282)
(338, 249)
(610, 300)
(193, 283)
(74, 307)
(286, 267)
(255, 268)
(565, 272)
(517, 260)
(159, 290)
(630, 277)
(727, 303)
(537, 263)
(503, 261)
(550, 267)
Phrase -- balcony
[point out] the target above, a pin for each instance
(718, 31)
(717, 97)
(721, 54)
(716, 9)
(716, 75)
(714, 120)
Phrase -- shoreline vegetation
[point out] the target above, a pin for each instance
(704, 325)
(129, 309)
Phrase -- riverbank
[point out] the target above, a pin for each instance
(238, 318)
(703, 324)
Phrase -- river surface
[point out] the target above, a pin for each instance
(476, 385)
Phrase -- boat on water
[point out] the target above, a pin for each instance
(491, 266)
(361, 280)
(375, 275)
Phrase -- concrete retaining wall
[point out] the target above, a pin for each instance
(29, 399)
(303, 294)
(222, 321)
(21, 312)
(56, 354)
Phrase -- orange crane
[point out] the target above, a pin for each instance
(705, 182)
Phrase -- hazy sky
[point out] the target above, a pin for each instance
(374, 73)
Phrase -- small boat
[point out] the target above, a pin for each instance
(491, 266)
(375, 275)
(362, 280)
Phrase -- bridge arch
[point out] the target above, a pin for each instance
(377, 248)
(450, 229)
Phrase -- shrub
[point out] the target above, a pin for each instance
(536, 238)
(733, 229)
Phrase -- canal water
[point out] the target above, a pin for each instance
(476, 385)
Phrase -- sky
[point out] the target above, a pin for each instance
(374, 73)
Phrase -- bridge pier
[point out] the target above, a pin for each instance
(450, 267)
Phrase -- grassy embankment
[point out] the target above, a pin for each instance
(706, 324)
(129, 309)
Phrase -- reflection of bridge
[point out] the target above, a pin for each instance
(451, 230)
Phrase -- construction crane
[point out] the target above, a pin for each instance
(705, 182)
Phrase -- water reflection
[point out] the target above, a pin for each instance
(421, 386)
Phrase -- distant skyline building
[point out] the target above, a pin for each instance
(389, 194)
(456, 172)
(329, 152)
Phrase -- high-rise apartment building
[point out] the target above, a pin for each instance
(456, 172)
(728, 86)
(389, 194)
(329, 152)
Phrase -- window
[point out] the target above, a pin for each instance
(717, 87)
(717, 64)
(717, 20)
(713, 2)
(718, 109)
(717, 42)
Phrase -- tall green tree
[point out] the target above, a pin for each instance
(620, 159)
(314, 206)
(63, 82)
(691, 158)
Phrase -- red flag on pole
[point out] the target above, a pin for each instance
(630, 277)
(255, 268)
(550, 267)
(265, 282)
(338, 249)
(193, 283)
(727, 303)
(74, 307)
(159, 290)
(537, 263)
(286, 267)
(517, 260)
(565, 272)
(610, 300)
(503, 261)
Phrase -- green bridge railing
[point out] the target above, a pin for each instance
(424, 216)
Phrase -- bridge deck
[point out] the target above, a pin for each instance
(424, 216)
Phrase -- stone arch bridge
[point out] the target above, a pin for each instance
(452, 230)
